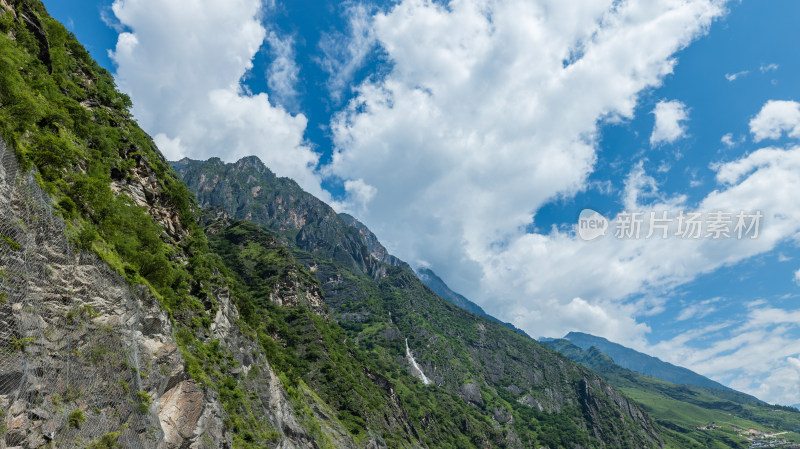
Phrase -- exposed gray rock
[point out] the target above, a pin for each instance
(76, 337)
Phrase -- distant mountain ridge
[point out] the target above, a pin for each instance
(643, 363)
(698, 417)
(435, 283)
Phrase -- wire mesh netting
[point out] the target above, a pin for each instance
(71, 334)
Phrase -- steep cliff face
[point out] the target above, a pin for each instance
(82, 352)
(370, 240)
(86, 355)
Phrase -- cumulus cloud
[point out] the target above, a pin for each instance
(775, 118)
(669, 125)
(182, 61)
(490, 110)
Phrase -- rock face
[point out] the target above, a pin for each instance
(141, 184)
(76, 339)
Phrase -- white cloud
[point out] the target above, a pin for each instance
(727, 139)
(489, 111)
(756, 354)
(638, 185)
(797, 277)
(182, 61)
(733, 76)
(359, 194)
(344, 54)
(283, 73)
(768, 67)
(698, 310)
(530, 279)
(730, 141)
(669, 125)
(775, 118)
(110, 20)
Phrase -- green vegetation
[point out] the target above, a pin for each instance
(75, 419)
(19, 344)
(314, 353)
(144, 401)
(691, 416)
(210, 363)
(107, 441)
(62, 115)
(10, 242)
(373, 307)
(67, 119)
(340, 361)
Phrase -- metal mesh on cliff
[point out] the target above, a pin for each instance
(71, 334)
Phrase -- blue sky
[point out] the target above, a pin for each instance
(470, 134)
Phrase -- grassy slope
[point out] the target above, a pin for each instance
(680, 409)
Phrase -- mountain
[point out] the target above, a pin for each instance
(203, 304)
(696, 416)
(133, 314)
(248, 190)
(532, 396)
(118, 325)
(435, 283)
(643, 363)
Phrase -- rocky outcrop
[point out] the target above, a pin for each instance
(370, 240)
(140, 183)
(248, 190)
(34, 25)
(83, 354)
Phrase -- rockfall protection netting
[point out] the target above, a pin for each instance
(72, 334)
